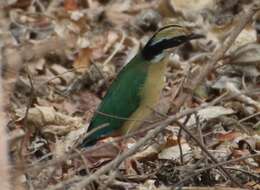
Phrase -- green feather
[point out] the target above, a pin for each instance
(121, 100)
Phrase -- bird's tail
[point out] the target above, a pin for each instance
(87, 143)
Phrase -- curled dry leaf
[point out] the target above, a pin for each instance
(149, 153)
(246, 59)
(247, 36)
(173, 153)
(62, 72)
(246, 54)
(246, 142)
(210, 112)
(48, 120)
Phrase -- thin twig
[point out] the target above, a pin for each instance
(250, 173)
(196, 172)
(179, 139)
(205, 150)
(249, 117)
(117, 48)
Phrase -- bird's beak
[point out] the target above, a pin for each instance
(195, 36)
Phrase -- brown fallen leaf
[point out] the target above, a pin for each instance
(101, 155)
(227, 136)
(70, 5)
(83, 61)
(49, 121)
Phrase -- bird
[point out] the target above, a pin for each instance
(137, 87)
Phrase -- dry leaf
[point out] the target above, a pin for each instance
(186, 7)
(189, 6)
(222, 81)
(70, 5)
(247, 36)
(173, 153)
(227, 136)
(149, 153)
(210, 112)
(246, 54)
(65, 75)
(48, 120)
(83, 61)
(98, 156)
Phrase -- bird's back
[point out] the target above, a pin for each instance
(121, 100)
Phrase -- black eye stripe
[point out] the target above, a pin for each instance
(151, 50)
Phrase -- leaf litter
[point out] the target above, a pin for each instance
(69, 54)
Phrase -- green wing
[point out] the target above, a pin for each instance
(121, 100)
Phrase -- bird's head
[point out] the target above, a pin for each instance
(167, 37)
